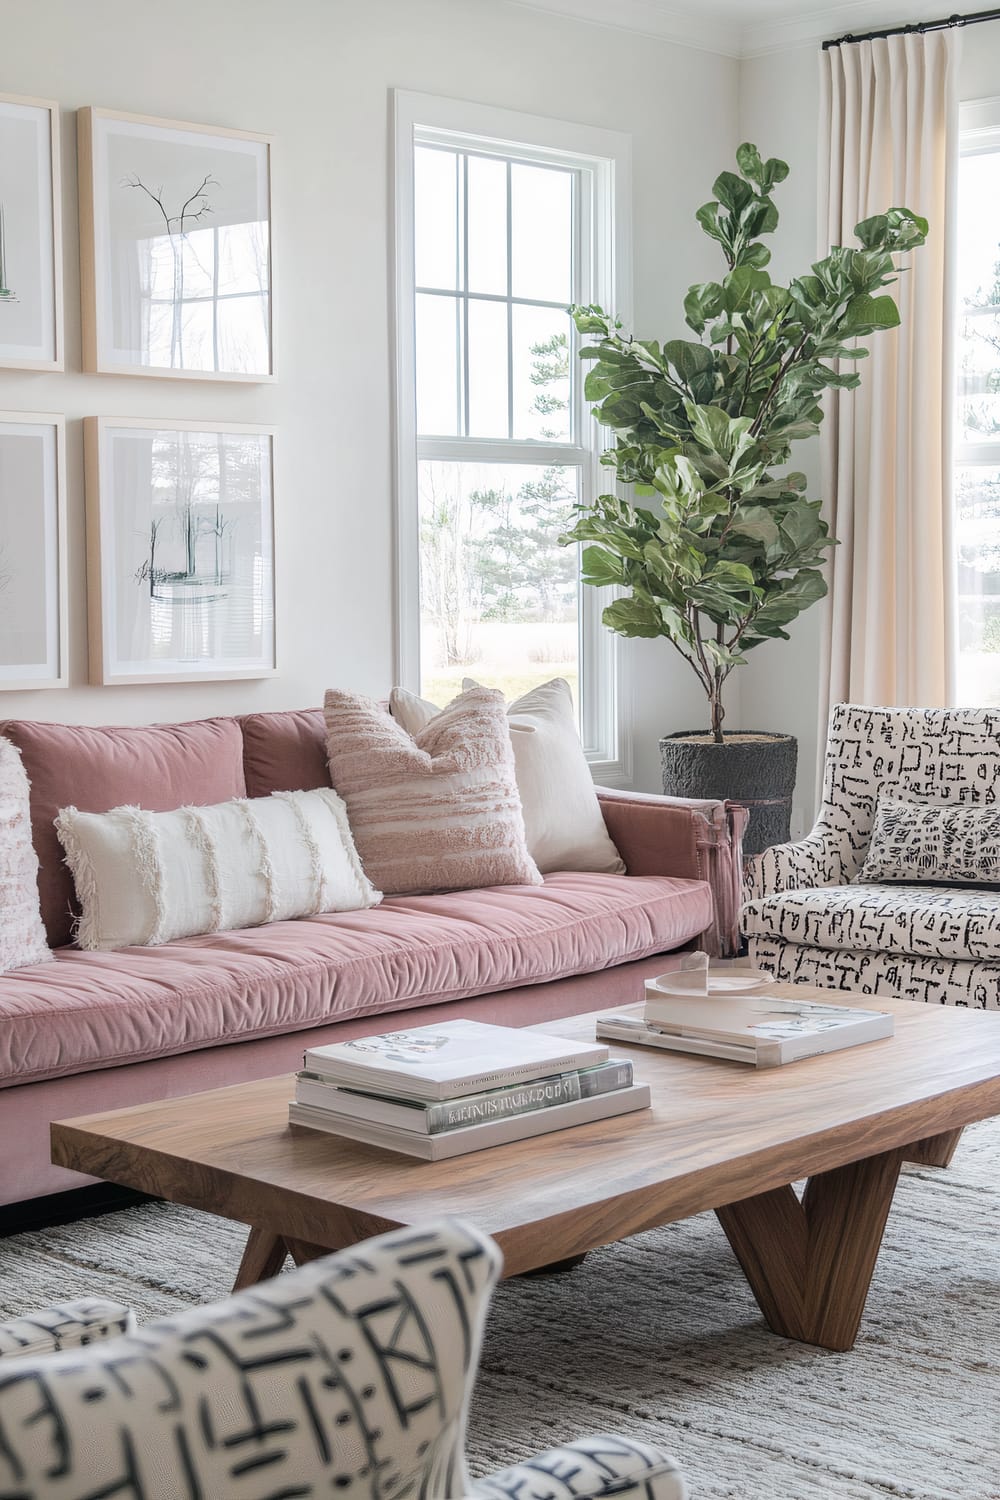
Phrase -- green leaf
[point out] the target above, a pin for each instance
(689, 360)
(601, 568)
(702, 303)
(732, 192)
(633, 617)
(865, 314)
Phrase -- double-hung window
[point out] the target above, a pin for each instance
(502, 221)
(977, 434)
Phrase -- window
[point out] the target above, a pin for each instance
(502, 221)
(977, 435)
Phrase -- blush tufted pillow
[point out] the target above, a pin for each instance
(563, 821)
(435, 811)
(934, 843)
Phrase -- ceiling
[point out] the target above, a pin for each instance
(744, 28)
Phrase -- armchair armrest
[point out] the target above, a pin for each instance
(68, 1325)
(818, 860)
(590, 1469)
(692, 839)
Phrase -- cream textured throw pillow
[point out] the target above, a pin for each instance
(22, 936)
(145, 878)
(434, 811)
(562, 816)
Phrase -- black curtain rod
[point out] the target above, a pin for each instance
(916, 29)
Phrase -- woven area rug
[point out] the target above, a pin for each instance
(659, 1337)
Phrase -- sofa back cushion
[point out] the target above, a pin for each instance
(158, 767)
(284, 752)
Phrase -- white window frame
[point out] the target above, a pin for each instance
(604, 277)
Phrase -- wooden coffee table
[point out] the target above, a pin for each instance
(720, 1136)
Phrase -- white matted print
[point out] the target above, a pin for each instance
(32, 551)
(175, 230)
(180, 543)
(30, 241)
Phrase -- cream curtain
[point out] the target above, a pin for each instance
(889, 138)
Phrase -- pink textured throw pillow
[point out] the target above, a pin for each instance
(435, 811)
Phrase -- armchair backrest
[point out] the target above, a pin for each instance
(948, 755)
(349, 1377)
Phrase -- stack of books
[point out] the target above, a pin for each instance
(706, 1013)
(440, 1091)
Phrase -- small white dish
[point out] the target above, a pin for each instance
(692, 982)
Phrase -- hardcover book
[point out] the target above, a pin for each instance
(473, 1137)
(448, 1060)
(473, 1109)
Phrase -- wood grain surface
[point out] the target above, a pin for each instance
(718, 1133)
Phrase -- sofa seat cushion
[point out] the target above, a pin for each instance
(931, 920)
(95, 1010)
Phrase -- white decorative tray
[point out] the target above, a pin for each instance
(693, 982)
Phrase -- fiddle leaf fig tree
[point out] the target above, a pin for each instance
(719, 548)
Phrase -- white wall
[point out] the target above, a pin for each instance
(316, 74)
(779, 112)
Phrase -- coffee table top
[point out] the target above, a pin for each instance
(718, 1132)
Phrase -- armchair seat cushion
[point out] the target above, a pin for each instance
(940, 922)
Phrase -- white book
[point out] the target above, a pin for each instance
(448, 1060)
(760, 1029)
(473, 1137)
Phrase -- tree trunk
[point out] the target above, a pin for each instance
(718, 712)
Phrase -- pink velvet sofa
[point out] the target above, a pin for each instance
(93, 1031)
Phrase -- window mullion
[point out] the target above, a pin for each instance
(510, 308)
(464, 290)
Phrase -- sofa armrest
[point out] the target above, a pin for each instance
(67, 1325)
(688, 838)
(818, 860)
(590, 1469)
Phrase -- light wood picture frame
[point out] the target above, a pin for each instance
(33, 551)
(176, 260)
(31, 263)
(180, 550)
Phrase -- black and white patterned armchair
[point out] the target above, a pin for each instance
(348, 1377)
(808, 921)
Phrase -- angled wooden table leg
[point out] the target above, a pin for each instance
(810, 1264)
(935, 1151)
(264, 1256)
(302, 1251)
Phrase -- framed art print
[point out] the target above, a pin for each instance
(180, 545)
(30, 235)
(33, 619)
(175, 248)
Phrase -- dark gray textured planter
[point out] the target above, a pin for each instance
(758, 772)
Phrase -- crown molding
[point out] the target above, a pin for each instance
(728, 36)
(648, 18)
(803, 29)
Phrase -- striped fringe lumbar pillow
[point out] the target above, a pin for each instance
(144, 878)
(434, 811)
